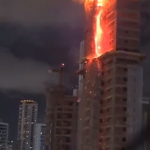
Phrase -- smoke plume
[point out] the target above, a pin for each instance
(40, 12)
(23, 75)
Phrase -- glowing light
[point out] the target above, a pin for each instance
(98, 25)
(98, 29)
(98, 35)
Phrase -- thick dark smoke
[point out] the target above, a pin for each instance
(65, 17)
(38, 48)
(41, 12)
(24, 75)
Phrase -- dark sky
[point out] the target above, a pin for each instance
(36, 35)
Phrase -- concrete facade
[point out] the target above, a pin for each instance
(61, 120)
(111, 103)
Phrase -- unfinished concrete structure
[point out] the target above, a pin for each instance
(110, 110)
(61, 118)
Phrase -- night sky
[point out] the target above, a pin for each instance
(36, 35)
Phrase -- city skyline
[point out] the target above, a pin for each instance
(24, 44)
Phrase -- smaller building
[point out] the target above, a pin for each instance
(3, 135)
(16, 145)
(9, 147)
(27, 120)
(39, 143)
(146, 121)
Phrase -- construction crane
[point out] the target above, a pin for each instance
(59, 71)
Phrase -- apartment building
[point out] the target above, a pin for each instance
(3, 135)
(39, 141)
(28, 110)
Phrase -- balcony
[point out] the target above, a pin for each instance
(105, 124)
(106, 133)
(106, 104)
(119, 132)
(105, 112)
(119, 103)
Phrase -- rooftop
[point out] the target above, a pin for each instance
(28, 101)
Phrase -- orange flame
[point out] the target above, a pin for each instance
(98, 29)
(99, 33)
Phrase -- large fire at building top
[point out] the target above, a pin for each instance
(96, 14)
(109, 25)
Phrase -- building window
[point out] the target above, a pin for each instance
(125, 79)
(100, 140)
(59, 116)
(124, 129)
(68, 131)
(108, 109)
(70, 103)
(125, 99)
(59, 109)
(125, 69)
(58, 123)
(109, 80)
(108, 119)
(68, 139)
(126, 41)
(58, 131)
(125, 89)
(124, 119)
(102, 83)
(125, 108)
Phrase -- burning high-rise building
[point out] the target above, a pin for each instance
(111, 25)
(110, 109)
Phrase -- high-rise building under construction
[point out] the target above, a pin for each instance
(61, 118)
(110, 110)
